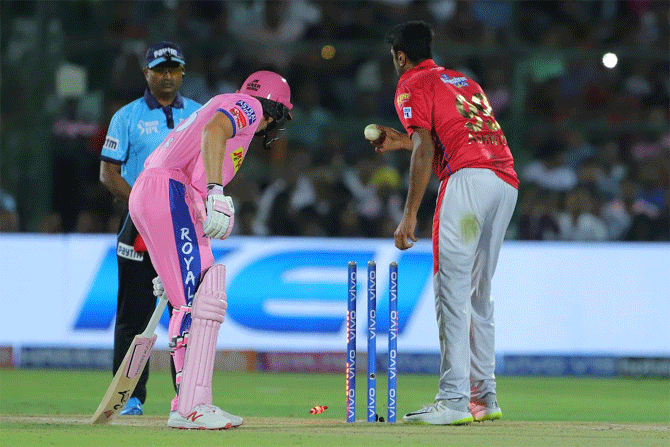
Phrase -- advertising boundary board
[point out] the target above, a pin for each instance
(289, 295)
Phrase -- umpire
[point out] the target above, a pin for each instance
(134, 132)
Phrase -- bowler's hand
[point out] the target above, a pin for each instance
(404, 232)
(220, 213)
(391, 140)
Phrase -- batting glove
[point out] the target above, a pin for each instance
(158, 287)
(220, 213)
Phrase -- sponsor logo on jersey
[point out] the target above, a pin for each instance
(407, 112)
(402, 98)
(147, 127)
(238, 116)
(458, 82)
(237, 156)
(111, 143)
(248, 110)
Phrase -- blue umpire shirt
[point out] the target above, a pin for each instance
(137, 128)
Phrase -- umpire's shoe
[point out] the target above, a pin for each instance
(133, 408)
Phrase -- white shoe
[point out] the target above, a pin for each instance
(203, 417)
(236, 421)
(485, 408)
(438, 414)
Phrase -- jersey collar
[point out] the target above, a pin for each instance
(153, 103)
(425, 65)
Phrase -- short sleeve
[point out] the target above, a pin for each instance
(415, 107)
(242, 113)
(115, 149)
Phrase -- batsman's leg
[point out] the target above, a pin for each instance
(195, 409)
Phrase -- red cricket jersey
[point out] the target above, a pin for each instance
(458, 114)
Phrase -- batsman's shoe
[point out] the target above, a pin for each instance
(236, 421)
(133, 408)
(486, 408)
(438, 414)
(202, 417)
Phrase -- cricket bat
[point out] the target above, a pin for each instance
(126, 377)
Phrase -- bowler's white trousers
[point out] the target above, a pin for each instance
(474, 209)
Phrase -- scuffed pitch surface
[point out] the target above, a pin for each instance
(74, 430)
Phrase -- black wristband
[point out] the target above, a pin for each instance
(212, 186)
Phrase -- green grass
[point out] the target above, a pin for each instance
(51, 407)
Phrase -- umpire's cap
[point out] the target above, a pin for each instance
(164, 52)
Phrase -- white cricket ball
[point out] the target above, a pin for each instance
(371, 132)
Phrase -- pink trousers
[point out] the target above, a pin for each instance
(168, 213)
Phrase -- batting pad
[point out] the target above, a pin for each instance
(207, 313)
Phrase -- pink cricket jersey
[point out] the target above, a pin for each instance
(180, 151)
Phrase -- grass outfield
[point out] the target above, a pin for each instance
(52, 407)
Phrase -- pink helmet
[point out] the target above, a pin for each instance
(268, 85)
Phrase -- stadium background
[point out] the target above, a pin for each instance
(591, 141)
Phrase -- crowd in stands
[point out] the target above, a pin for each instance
(592, 144)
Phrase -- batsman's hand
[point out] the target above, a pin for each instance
(391, 140)
(220, 213)
(158, 287)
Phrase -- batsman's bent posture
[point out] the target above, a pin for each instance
(178, 204)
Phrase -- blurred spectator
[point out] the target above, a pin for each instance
(125, 75)
(496, 87)
(578, 149)
(549, 170)
(202, 20)
(9, 217)
(75, 171)
(652, 197)
(613, 170)
(579, 221)
(277, 210)
(309, 117)
(618, 212)
(493, 15)
(462, 28)
(387, 183)
(271, 21)
(538, 211)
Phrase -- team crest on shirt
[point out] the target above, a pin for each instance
(237, 156)
(407, 112)
(111, 144)
(402, 98)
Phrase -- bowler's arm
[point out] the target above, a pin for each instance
(419, 176)
(420, 169)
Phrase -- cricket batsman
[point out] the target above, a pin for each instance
(178, 204)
